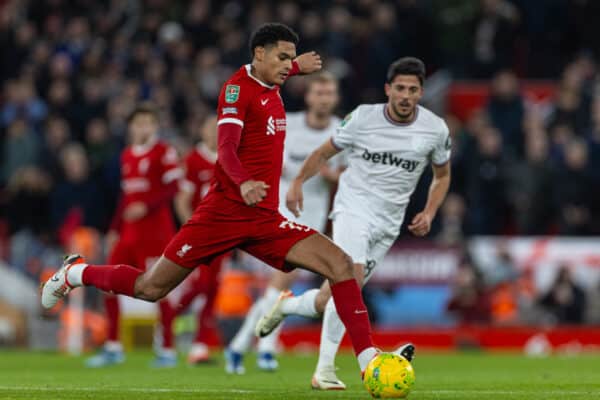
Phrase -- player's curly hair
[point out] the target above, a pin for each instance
(270, 33)
(407, 66)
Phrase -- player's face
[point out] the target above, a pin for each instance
(404, 93)
(209, 133)
(142, 128)
(322, 98)
(276, 61)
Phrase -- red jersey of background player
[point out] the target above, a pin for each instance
(258, 109)
(199, 171)
(149, 174)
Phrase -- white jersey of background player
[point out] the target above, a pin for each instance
(388, 147)
(305, 132)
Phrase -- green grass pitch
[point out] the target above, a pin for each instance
(27, 375)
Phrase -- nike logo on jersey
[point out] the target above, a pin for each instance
(390, 159)
(264, 101)
(360, 311)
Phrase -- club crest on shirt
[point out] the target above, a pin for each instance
(232, 93)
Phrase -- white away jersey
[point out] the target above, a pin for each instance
(385, 161)
(300, 141)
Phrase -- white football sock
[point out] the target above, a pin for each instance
(365, 357)
(332, 333)
(243, 339)
(75, 274)
(303, 305)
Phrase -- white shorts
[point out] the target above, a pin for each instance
(361, 240)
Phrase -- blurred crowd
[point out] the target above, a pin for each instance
(72, 71)
(505, 294)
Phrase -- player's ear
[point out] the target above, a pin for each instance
(387, 89)
(259, 53)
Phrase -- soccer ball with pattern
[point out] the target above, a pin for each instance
(389, 376)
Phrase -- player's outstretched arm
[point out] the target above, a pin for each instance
(312, 165)
(421, 223)
(308, 62)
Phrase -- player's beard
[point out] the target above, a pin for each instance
(404, 116)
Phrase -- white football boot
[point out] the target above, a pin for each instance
(57, 287)
(269, 322)
(326, 379)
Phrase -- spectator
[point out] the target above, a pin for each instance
(494, 37)
(486, 184)
(56, 135)
(529, 182)
(22, 102)
(572, 194)
(565, 300)
(469, 301)
(74, 201)
(28, 201)
(21, 148)
(506, 110)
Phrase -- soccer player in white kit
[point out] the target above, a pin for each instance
(388, 148)
(305, 132)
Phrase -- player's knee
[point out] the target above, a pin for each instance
(151, 293)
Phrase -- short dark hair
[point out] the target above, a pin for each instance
(270, 33)
(407, 66)
(144, 107)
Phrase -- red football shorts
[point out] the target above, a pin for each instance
(220, 225)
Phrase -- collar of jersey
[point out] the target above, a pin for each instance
(391, 121)
(141, 149)
(261, 83)
(206, 152)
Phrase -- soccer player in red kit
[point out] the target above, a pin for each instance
(199, 170)
(240, 209)
(143, 224)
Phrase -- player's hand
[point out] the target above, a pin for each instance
(253, 192)
(309, 62)
(135, 211)
(294, 198)
(421, 224)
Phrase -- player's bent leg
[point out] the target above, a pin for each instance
(159, 280)
(152, 285)
(319, 254)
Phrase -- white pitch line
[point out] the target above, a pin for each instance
(127, 389)
(508, 392)
(209, 390)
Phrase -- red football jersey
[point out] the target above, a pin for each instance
(149, 174)
(199, 170)
(258, 109)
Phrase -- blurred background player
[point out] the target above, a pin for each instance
(305, 132)
(143, 224)
(199, 170)
(389, 147)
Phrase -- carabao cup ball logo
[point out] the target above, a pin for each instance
(389, 376)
